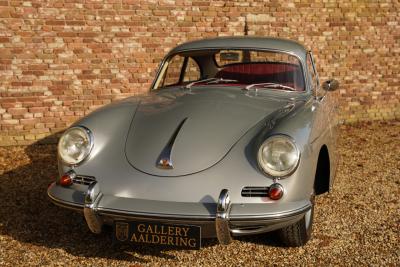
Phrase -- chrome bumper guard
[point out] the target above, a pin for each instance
(222, 218)
(92, 198)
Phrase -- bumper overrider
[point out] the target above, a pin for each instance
(223, 220)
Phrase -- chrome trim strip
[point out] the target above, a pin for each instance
(274, 216)
(65, 204)
(265, 217)
(132, 214)
(264, 226)
(164, 161)
(92, 200)
(255, 230)
(222, 218)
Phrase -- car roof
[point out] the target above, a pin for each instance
(244, 42)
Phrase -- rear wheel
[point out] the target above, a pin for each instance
(299, 233)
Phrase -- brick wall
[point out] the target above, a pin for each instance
(59, 60)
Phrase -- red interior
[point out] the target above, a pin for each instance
(274, 72)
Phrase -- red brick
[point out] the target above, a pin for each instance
(28, 121)
(55, 22)
(75, 22)
(21, 83)
(33, 72)
(38, 67)
(67, 34)
(17, 111)
(37, 109)
(60, 69)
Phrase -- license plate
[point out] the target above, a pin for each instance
(149, 233)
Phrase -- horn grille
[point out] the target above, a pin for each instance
(83, 179)
(255, 191)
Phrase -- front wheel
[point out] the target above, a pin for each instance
(299, 233)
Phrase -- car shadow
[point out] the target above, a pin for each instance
(268, 239)
(28, 216)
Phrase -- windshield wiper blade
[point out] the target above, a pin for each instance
(218, 80)
(188, 86)
(210, 81)
(270, 85)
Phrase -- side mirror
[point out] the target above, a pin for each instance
(330, 85)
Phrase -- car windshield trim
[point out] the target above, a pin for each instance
(284, 51)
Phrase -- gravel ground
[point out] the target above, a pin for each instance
(357, 224)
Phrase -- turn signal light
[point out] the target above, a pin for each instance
(67, 178)
(275, 191)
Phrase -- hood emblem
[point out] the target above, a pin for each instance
(165, 164)
(164, 161)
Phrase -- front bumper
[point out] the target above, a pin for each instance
(222, 220)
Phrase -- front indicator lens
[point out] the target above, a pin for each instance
(67, 179)
(275, 191)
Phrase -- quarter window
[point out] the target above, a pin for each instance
(181, 69)
(173, 72)
(192, 72)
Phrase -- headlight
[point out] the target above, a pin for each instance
(75, 145)
(278, 156)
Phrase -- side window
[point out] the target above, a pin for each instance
(192, 72)
(173, 72)
(312, 75)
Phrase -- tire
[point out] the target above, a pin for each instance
(299, 233)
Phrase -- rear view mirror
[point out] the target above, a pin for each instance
(229, 56)
(330, 85)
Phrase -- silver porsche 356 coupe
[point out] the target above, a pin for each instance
(235, 137)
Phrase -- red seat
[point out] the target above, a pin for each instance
(274, 72)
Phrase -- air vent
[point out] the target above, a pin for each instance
(255, 191)
(82, 179)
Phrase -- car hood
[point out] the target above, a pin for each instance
(193, 129)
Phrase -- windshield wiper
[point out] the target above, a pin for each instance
(218, 80)
(210, 81)
(270, 85)
(188, 86)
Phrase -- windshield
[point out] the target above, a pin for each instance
(237, 67)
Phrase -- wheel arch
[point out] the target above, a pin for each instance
(323, 172)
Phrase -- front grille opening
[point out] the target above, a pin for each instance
(83, 179)
(255, 191)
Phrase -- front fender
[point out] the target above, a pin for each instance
(298, 124)
(109, 126)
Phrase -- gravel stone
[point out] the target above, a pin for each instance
(357, 224)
